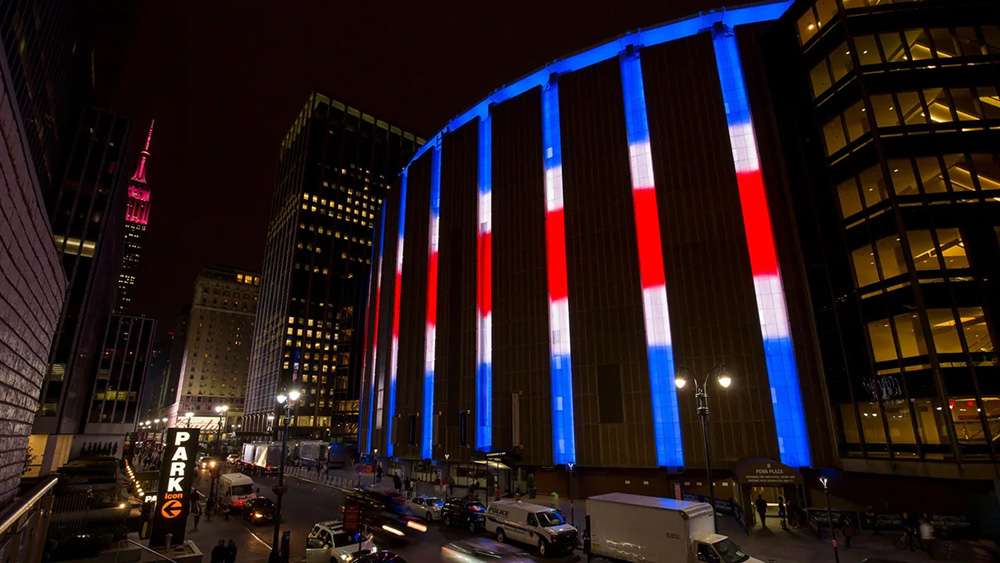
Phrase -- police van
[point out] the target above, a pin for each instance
(540, 526)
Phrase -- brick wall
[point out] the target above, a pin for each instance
(31, 292)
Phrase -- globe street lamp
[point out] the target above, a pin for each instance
(701, 396)
(287, 402)
(825, 481)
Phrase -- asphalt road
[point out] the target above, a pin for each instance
(305, 504)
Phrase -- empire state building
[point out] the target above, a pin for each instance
(136, 220)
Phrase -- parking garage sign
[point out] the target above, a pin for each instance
(173, 498)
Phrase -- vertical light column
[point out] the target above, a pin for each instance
(375, 316)
(782, 372)
(659, 352)
(433, 230)
(484, 288)
(561, 369)
(397, 288)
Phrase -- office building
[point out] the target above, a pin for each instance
(216, 350)
(86, 215)
(334, 167)
(113, 402)
(137, 208)
(899, 195)
(31, 291)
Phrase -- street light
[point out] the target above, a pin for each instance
(572, 507)
(286, 401)
(701, 396)
(221, 410)
(829, 517)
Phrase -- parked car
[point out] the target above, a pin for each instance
(328, 541)
(466, 513)
(475, 550)
(536, 525)
(427, 507)
(260, 510)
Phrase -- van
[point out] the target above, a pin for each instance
(540, 526)
(235, 489)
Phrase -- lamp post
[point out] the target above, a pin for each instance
(701, 396)
(221, 410)
(829, 517)
(286, 401)
(572, 506)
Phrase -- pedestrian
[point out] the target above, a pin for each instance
(761, 505)
(219, 552)
(792, 508)
(908, 539)
(848, 529)
(781, 513)
(396, 483)
(926, 534)
(196, 512)
(871, 519)
(231, 552)
(378, 473)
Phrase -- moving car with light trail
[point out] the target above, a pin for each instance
(482, 550)
(259, 510)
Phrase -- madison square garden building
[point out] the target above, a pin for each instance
(666, 203)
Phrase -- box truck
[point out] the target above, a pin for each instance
(657, 530)
(265, 456)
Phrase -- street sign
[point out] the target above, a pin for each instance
(173, 498)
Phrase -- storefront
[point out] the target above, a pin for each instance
(769, 480)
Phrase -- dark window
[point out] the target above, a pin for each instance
(463, 429)
(609, 393)
(412, 430)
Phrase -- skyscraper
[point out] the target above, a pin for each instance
(86, 216)
(136, 220)
(216, 346)
(335, 164)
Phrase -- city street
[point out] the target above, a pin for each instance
(308, 501)
(304, 504)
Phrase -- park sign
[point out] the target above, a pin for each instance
(177, 473)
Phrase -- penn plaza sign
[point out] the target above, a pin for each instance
(173, 497)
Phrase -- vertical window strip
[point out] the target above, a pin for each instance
(484, 283)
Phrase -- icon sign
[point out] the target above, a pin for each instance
(171, 509)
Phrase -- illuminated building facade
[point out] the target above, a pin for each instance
(335, 165)
(558, 253)
(216, 349)
(136, 222)
(900, 181)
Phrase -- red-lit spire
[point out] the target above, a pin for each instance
(140, 170)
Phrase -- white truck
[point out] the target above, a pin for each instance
(658, 530)
(264, 456)
(311, 452)
(235, 489)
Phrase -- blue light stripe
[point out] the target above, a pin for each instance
(657, 35)
(484, 340)
(659, 350)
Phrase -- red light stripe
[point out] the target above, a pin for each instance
(647, 226)
(757, 223)
(486, 273)
(556, 245)
(395, 304)
(432, 284)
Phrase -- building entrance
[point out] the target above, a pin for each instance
(762, 487)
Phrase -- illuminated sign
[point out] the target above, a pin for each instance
(173, 499)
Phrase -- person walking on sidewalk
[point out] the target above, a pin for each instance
(378, 473)
(396, 483)
(781, 513)
(926, 534)
(219, 552)
(196, 512)
(761, 505)
(231, 552)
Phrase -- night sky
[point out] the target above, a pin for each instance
(225, 79)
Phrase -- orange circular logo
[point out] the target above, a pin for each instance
(171, 509)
